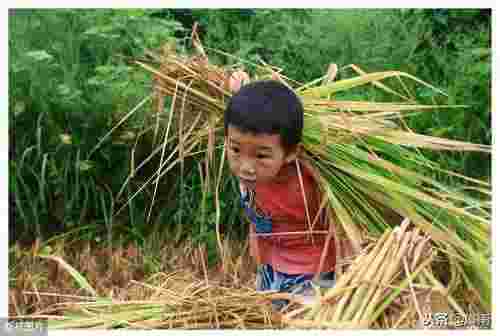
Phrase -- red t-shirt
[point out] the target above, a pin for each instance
(283, 203)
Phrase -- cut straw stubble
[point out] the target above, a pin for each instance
(356, 299)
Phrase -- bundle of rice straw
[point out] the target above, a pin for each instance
(391, 272)
(365, 157)
(176, 300)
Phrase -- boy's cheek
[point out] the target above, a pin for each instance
(232, 165)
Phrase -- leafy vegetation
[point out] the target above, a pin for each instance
(86, 120)
(71, 81)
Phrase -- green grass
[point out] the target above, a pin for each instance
(70, 82)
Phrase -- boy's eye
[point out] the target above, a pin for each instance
(263, 156)
(235, 149)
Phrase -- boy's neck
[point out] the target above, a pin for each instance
(286, 172)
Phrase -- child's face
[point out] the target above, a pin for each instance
(255, 158)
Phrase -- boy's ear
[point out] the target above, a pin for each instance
(293, 153)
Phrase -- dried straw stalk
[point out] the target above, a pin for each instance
(379, 278)
(177, 300)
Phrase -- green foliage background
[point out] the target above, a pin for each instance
(70, 81)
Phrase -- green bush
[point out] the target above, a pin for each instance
(455, 51)
(71, 80)
(69, 83)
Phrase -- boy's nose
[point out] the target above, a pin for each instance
(248, 169)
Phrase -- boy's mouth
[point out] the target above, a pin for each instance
(248, 182)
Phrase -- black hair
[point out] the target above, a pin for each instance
(268, 107)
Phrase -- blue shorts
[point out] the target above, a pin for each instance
(300, 284)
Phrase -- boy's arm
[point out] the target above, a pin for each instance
(253, 244)
(243, 189)
(345, 252)
(252, 238)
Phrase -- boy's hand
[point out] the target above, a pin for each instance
(237, 80)
(346, 253)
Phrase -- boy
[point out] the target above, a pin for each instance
(263, 125)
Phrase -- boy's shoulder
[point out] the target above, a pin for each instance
(291, 188)
(300, 173)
